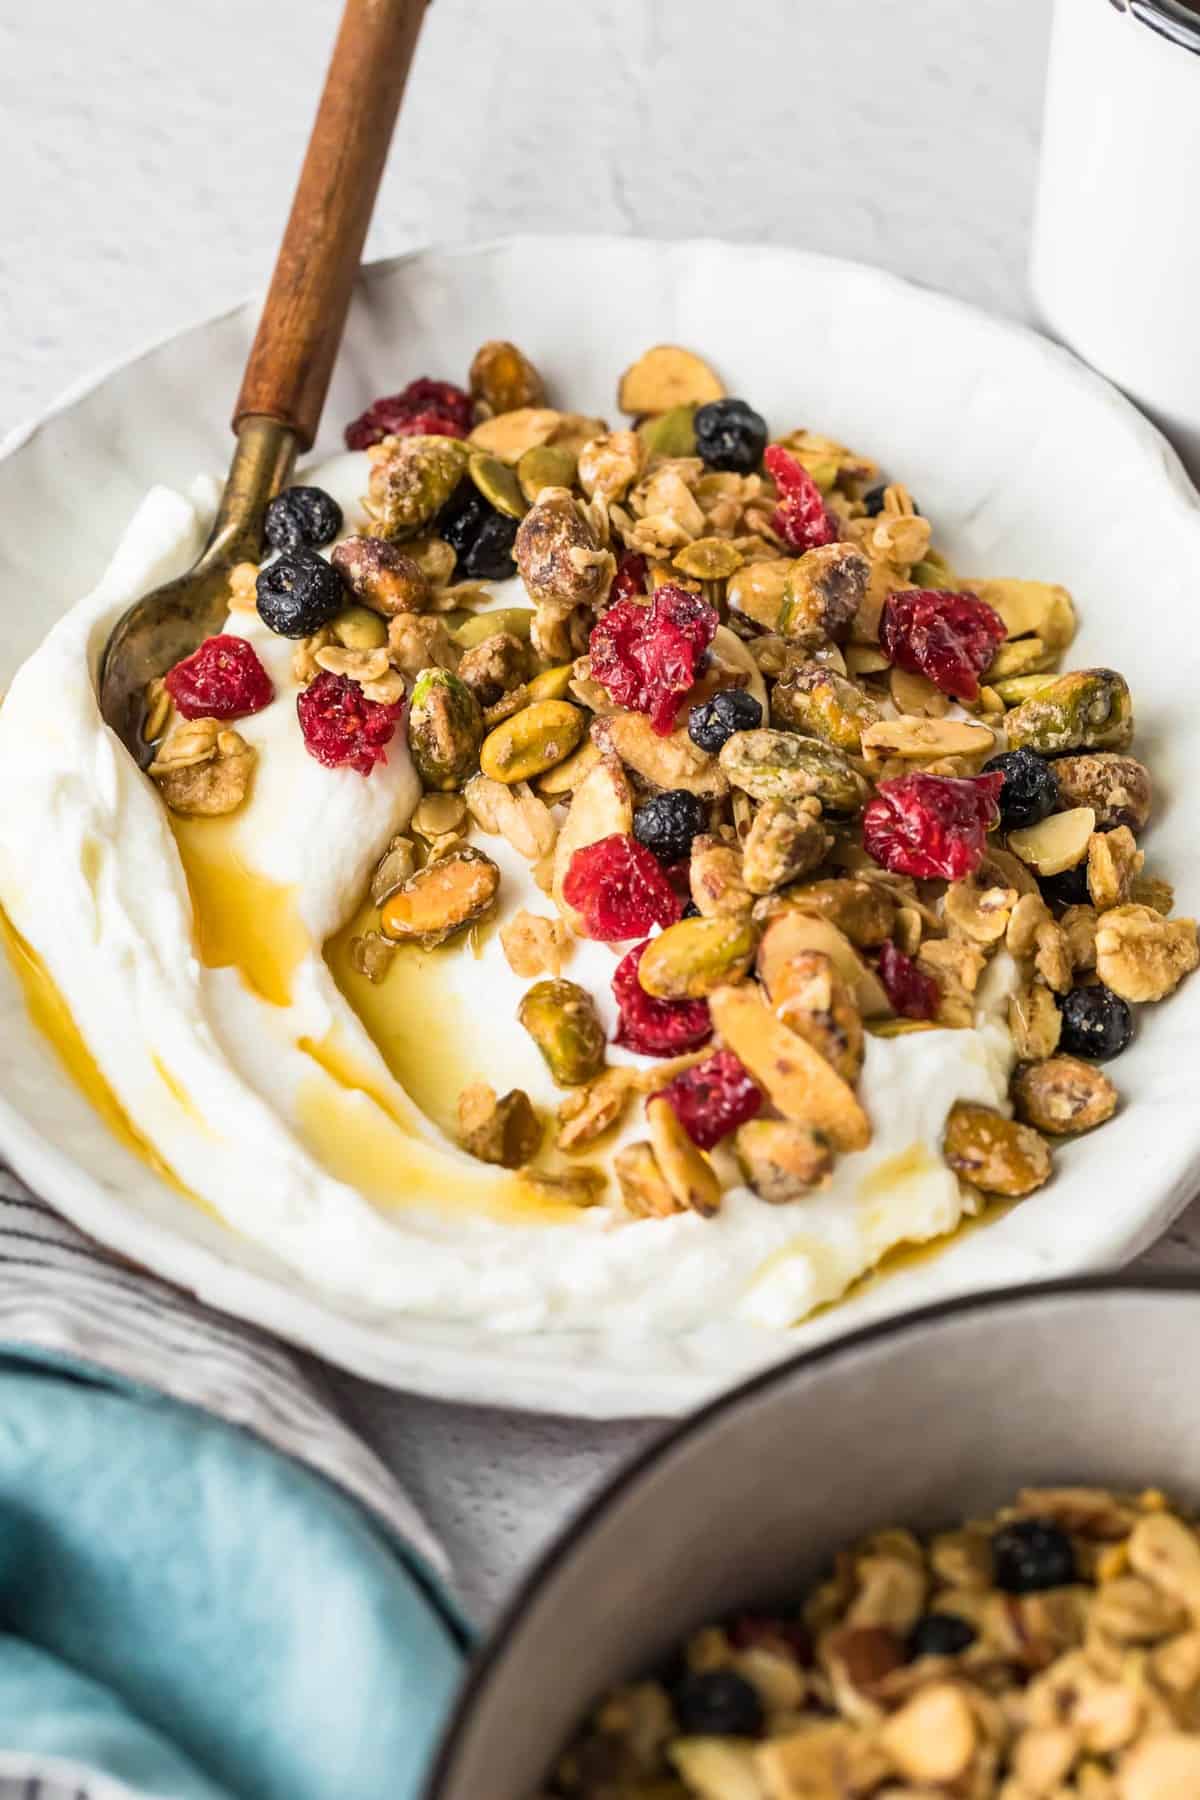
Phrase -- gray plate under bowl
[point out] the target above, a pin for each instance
(918, 1423)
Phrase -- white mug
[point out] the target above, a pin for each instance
(1115, 272)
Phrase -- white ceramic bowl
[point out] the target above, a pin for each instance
(923, 1422)
(1029, 466)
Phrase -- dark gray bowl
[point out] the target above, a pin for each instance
(919, 1423)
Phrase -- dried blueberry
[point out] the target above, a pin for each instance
(711, 725)
(481, 538)
(730, 435)
(302, 518)
(668, 823)
(1031, 1554)
(299, 592)
(940, 1634)
(1030, 790)
(873, 501)
(1068, 889)
(718, 1703)
(1096, 1023)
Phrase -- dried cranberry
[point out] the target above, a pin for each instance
(713, 1099)
(656, 1027)
(223, 679)
(951, 638)
(802, 519)
(424, 408)
(341, 727)
(761, 1631)
(913, 994)
(649, 656)
(931, 825)
(619, 889)
(630, 578)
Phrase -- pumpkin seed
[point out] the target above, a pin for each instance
(545, 465)
(498, 484)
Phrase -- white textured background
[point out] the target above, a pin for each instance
(147, 155)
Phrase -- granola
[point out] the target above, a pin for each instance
(1048, 1651)
(753, 725)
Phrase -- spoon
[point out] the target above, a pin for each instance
(291, 360)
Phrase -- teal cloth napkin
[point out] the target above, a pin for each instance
(192, 1614)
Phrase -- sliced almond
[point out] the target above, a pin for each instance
(790, 934)
(667, 376)
(509, 435)
(602, 806)
(923, 740)
(1057, 843)
(798, 1079)
(932, 1737)
(1031, 609)
(688, 1174)
(864, 659)
(916, 694)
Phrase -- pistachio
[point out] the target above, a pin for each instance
(644, 1188)
(442, 898)
(545, 466)
(780, 765)
(782, 1160)
(566, 776)
(498, 484)
(510, 434)
(708, 559)
(609, 465)
(715, 879)
(756, 591)
(863, 910)
(800, 1083)
(819, 1007)
(690, 959)
(792, 935)
(1057, 843)
(1031, 609)
(381, 575)
(924, 740)
(503, 1131)
(786, 840)
(510, 621)
(392, 870)
(822, 593)
(558, 553)
(672, 761)
(532, 741)
(1117, 788)
(823, 704)
(503, 378)
(1062, 1094)
(1142, 956)
(560, 1017)
(667, 376)
(359, 629)
(411, 479)
(671, 434)
(445, 729)
(688, 1173)
(1089, 709)
(998, 1155)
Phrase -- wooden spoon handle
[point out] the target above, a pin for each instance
(292, 357)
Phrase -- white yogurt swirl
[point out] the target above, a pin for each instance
(258, 1084)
